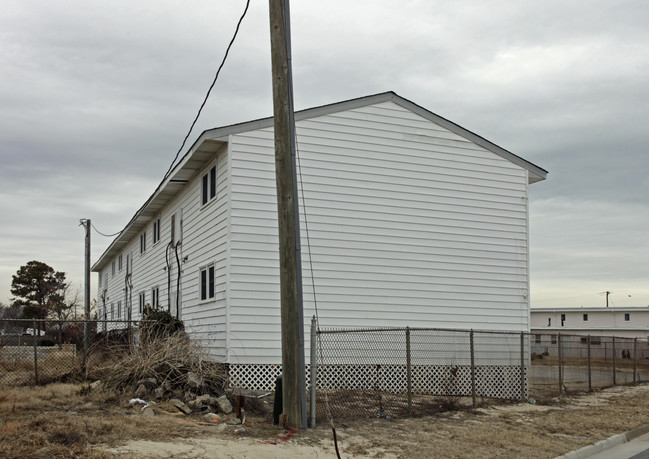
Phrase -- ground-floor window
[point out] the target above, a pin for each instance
(207, 282)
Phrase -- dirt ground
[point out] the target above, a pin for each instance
(66, 420)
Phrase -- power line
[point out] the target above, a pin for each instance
(209, 90)
(105, 235)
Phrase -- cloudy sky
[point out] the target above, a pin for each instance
(96, 97)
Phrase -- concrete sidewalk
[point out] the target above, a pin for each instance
(630, 445)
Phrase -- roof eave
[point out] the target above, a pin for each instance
(201, 151)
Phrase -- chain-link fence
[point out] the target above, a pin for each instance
(390, 372)
(393, 372)
(42, 351)
(562, 363)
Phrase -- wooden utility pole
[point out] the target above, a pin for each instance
(86, 296)
(292, 319)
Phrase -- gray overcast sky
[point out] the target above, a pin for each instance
(96, 96)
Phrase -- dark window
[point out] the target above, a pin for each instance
(208, 186)
(203, 284)
(207, 282)
(213, 182)
(119, 262)
(141, 302)
(156, 231)
(596, 340)
(563, 319)
(119, 309)
(537, 339)
(155, 297)
(585, 317)
(173, 228)
(211, 281)
(205, 187)
(143, 242)
(113, 267)
(627, 317)
(549, 322)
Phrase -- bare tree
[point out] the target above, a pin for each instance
(61, 311)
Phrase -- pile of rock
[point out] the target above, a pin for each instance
(192, 396)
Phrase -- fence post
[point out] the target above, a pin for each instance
(523, 366)
(635, 360)
(35, 345)
(559, 352)
(409, 371)
(313, 368)
(590, 376)
(614, 379)
(471, 344)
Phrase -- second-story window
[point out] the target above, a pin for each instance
(143, 242)
(627, 317)
(208, 190)
(156, 231)
(119, 262)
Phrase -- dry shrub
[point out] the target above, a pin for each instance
(167, 360)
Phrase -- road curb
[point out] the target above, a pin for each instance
(603, 445)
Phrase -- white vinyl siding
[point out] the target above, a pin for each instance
(409, 224)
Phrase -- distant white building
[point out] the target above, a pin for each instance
(632, 322)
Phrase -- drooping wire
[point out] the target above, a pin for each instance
(105, 235)
(207, 95)
(84, 221)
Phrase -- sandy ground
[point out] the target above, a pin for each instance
(502, 431)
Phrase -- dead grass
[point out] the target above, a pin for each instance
(62, 420)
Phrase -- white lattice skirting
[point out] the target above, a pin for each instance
(493, 381)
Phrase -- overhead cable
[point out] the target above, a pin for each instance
(208, 91)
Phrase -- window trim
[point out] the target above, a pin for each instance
(206, 283)
(208, 188)
(141, 301)
(155, 297)
(156, 231)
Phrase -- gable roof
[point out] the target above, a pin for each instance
(211, 140)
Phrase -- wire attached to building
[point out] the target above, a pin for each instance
(227, 51)
(105, 235)
(84, 221)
